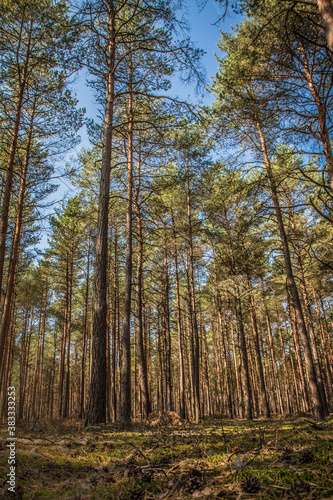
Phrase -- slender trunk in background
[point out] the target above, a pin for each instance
(235, 357)
(327, 348)
(241, 333)
(272, 351)
(96, 407)
(36, 374)
(165, 292)
(284, 363)
(302, 385)
(26, 367)
(8, 365)
(142, 362)
(217, 367)
(293, 369)
(227, 364)
(125, 400)
(51, 398)
(196, 347)
(326, 11)
(252, 373)
(308, 317)
(23, 362)
(41, 379)
(246, 372)
(69, 330)
(63, 346)
(182, 405)
(263, 390)
(84, 334)
(114, 348)
(222, 335)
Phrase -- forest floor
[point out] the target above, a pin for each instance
(289, 458)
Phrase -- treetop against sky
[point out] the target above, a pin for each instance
(205, 22)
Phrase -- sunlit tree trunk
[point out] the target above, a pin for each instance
(196, 347)
(326, 11)
(125, 399)
(263, 391)
(96, 407)
(142, 362)
(179, 326)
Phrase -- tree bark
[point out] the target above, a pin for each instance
(96, 407)
(246, 373)
(263, 391)
(196, 347)
(84, 335)
(182, 405)
(326, 11)
(125, 387)
(142, 362)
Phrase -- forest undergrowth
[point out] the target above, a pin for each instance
(289, 458)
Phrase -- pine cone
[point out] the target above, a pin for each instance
(251, 484)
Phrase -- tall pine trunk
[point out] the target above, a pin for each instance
(179, 326)
(96, 407)
(195, 347)
(125, 385)
(142, 361)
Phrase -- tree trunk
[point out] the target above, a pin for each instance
(285, 369)
(179, 326)
(246, 373)
(68, 329)
(302, 388)
(84, 335)
(312, 336)
(143, 378)
(263, 391)
(114, 349)
(63, 350)
(326, 11)
(96, 407)
(196, 347)
(125, 387)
